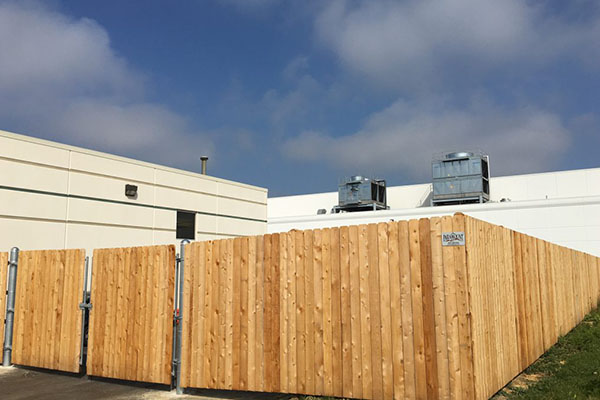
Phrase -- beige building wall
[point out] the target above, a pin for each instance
(55, 196)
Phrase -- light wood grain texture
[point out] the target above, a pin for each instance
(3, 282)
(346, 312)
(47, 322)
(417, 309)
(379, 311)
(365, 312)
(355, 309)
(336, 317)
(150, 277)
(439, 308)
(327, 328)
(386, 313)
(406, 297)
(300, 312)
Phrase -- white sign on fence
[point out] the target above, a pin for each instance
(453, 239)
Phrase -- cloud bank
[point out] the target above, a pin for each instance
(416, 43)
(61, 80)
(422, 51)
(403, 137)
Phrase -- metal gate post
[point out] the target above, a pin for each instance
(85, 304)
(175, 320)
(10, 306)
(178, 337)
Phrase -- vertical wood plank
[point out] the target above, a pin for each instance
(318, 310)
(395, 311)
(439, 308)
(301, 336)
(417, 303)
(406, 294)
(355, 309)
(3, 279)
(451, 309)
(229, 317)
(365, 311)
(259, 359)
(243, 382)
(221, 263)
(327, 329)
(309, 287)
(336, 317)
(251, 342)
(387, 355)
(428, 309)
(208, 309)
(291, 314)
(284, 314)
(346, 312)
(375, 310)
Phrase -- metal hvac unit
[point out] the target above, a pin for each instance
(358, 193)
(460, 178)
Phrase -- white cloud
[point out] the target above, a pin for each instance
(60, 79)
(412, 44)
(403, 137)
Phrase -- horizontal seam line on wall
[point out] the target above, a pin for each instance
(79, 197)
(133, 180)
(62, 221)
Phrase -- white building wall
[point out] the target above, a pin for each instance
(549, 185)
(573, 222)
(55, 196)
(561, 207)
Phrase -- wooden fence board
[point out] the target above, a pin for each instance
(451, 343)
(365, 312)
(3, 286)
(355, 307)
(406, 296)
(336, 317)
(387, 354)
(309, 287)
(151, 275)
(345, 313)
(395, 301)
(439, 308)
(47, 324)
(300, 312)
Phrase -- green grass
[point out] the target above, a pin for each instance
(569, 370)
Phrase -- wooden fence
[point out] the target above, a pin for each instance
(378, 311)
(47, 323)
(525, 293)
(131, 322)
(3, 280)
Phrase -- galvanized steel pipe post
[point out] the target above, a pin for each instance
(179, 299)
(10, 306)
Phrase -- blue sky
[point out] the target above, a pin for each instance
(294, 95)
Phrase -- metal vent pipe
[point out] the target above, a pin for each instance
(204, 160)
(10, 306)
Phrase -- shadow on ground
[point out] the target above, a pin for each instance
(23, 383)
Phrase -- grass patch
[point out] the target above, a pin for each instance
(569, 370)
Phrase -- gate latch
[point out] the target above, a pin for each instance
(83, 306)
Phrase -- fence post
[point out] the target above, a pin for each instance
(84, 306)
(10, 306)
(179, 315)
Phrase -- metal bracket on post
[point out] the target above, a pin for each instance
(83, 306)
(10, 306)
(178, 317)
